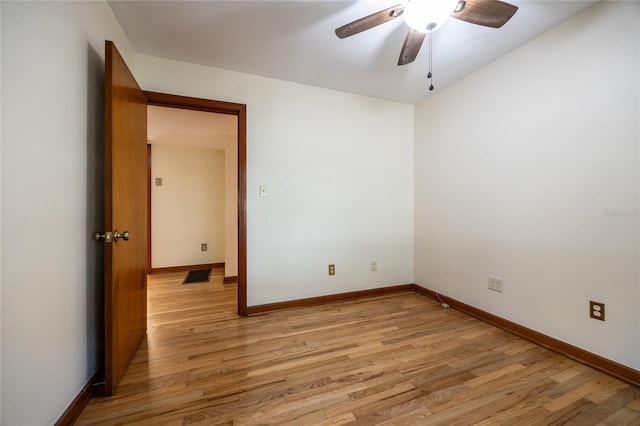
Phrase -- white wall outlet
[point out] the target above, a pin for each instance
(374, 266)
(332, 269)
(596, 310)
(495, 284)
(263, 191)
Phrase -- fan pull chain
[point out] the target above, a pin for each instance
(430, 75)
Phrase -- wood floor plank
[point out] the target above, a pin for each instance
(397, 359)
(574, 395)
(624, 416)
(604, 409)
(635, 404)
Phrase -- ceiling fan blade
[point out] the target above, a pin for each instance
(411, 47)
(370, 21)
(488, 13)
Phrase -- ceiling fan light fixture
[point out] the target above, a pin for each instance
(428, 15)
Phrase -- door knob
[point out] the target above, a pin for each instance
(124, 235)
(107, 237)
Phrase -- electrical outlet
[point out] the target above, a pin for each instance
(332, 269)
(374, 266)
(596, 310)
(495, 284)
(158, 181)
(203, 247)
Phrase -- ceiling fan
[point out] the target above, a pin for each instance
(426, 16)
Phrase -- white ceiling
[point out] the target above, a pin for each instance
(295, 41)
(188, 128)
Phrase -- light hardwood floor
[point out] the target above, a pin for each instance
(396, 360)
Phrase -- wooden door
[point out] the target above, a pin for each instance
(125, 210)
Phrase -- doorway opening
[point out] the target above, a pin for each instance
(193, 190)
(227, 147)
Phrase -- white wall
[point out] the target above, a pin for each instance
(339, 171)
(188, 209)
(52, 199)
(528, 170)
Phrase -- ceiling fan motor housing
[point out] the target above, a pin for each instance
(428, 15)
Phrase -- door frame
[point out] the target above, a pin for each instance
(240, 111)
